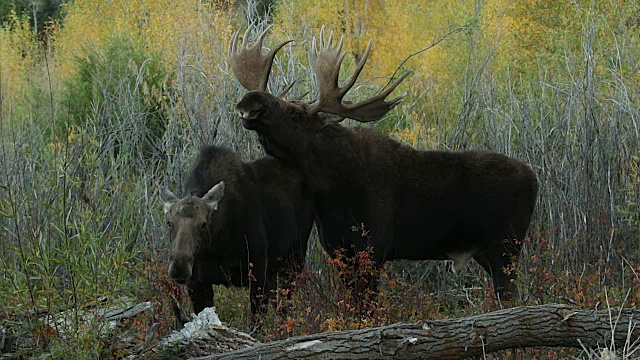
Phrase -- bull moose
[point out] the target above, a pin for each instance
(242, 224)
(414, 204)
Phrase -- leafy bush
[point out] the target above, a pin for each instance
(115, 83)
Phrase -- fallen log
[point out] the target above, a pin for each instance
(519, 327)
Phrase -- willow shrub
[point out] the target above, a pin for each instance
(118, 74)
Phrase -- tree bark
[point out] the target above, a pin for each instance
(520, 327)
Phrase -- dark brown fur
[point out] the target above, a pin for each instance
(258, 232)
(415, 204)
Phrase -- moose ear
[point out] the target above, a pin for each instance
(168, 199)
(213, 196)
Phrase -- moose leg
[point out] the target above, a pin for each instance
(201, 295)
(499, 262)
(367, 288)
(288, 272)
(179, 313)
(261, 287)
(363, 281)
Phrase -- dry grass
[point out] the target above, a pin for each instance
(80, 217)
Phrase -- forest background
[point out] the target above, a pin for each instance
(102, 102)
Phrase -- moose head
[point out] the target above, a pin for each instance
(188, 221)
(283, 125)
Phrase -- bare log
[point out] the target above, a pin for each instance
(520, 327)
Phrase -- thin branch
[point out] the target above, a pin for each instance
(434, 43)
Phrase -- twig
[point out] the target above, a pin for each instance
(434, 43)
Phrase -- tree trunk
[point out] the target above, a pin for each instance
(520, 327)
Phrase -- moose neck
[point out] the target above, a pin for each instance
(323, 153)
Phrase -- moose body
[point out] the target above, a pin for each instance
(403, 203)
(418, 205)
(249, 233)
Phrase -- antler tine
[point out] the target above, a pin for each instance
(327, 60)
(284, 92)
(326, 64)
(376, 107)
(249, 65)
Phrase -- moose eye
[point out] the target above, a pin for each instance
(203, 225)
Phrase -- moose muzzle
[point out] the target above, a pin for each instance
(180, 267)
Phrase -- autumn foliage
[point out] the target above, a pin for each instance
(104, 104)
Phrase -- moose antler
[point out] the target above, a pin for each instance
(327, 60)
(249, 65)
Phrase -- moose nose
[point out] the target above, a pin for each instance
(251, 105)
(180, 268)
(180, 281)
(247, 114)
(179, 275)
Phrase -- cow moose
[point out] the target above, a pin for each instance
(242, 224)
(414, 204)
